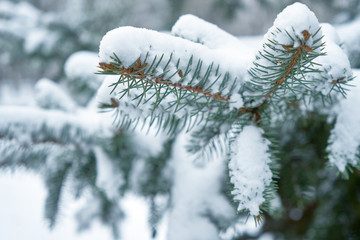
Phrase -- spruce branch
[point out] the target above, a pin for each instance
(280, 70)
(172, 85)
(168, 102)
(55, 184)
(138, 74)
(302, 70)
(283, 73)
(296, 54)
(25, 124)
(14, 153)
(181, 88)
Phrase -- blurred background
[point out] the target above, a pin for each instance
(38, 36)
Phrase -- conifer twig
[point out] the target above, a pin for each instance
(138, 72)
(254, 111)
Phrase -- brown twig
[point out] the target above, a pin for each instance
(295, 57)
(136, 70)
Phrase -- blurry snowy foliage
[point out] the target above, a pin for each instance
(203, 126)
(37, 36)
(35, 43)
(69, 143)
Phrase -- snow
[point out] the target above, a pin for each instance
(129, 46)
(105, 93)
(23, 9)
(80, 69)
(28, 123)
(243, 227)
(108, 177)
(198, 30)
(22, 209)
(349, 35)
(50, 95)
(236, 101)
(23, 121)
(25, 19)
(83, 65)
(288, 30)
(197, 192)
(27, 10)
(330, 33)
(267, 236)
(149, 141)
(21, 20)
(23, 95)
(296, 26)
(135, 225)
(344, 140)
(249, 168)
(196, 196)
(126, 105)
(293, 20)
(335, 64)
(35, 39)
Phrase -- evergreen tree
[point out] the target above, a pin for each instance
(204, 129)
